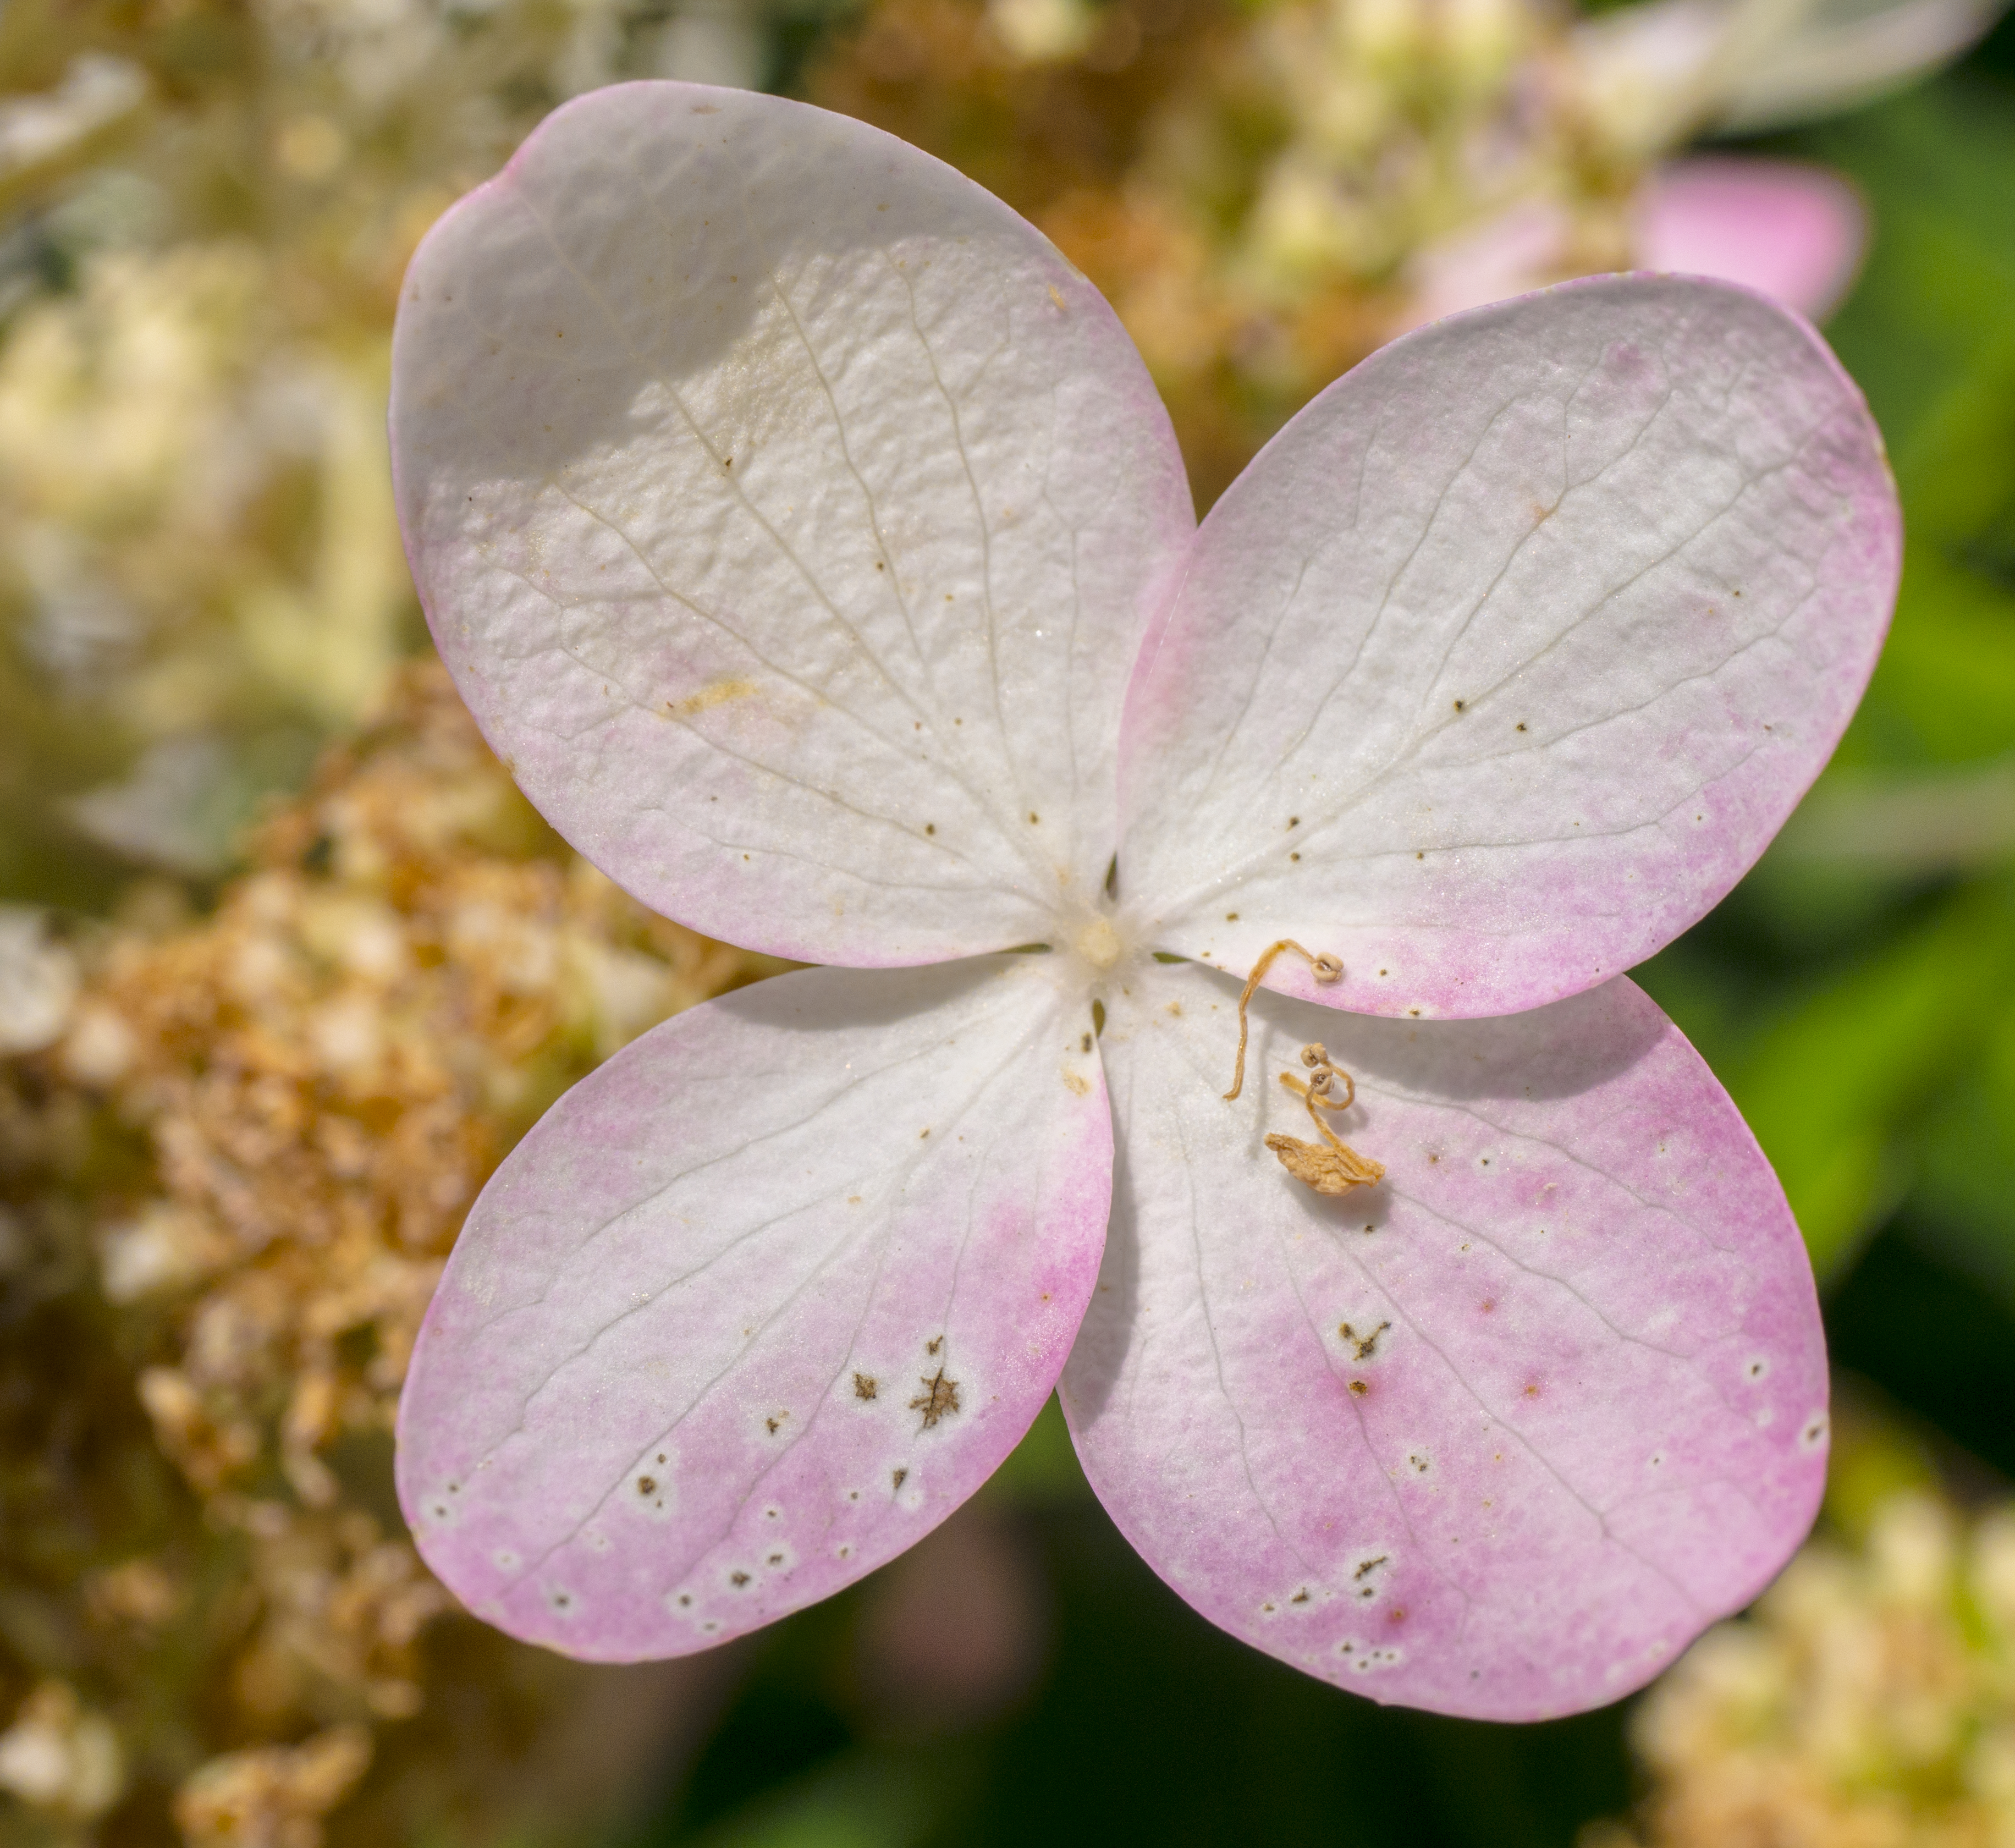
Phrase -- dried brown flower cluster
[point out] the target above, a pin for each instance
(1868, 1702)
(231, 1184)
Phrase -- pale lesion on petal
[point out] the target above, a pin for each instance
(1330, 1166)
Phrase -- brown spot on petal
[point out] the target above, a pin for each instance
(938, 1400)
(1363, 1347)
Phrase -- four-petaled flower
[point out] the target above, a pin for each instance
(807, 536)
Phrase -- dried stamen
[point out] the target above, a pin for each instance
(1326, 968)
(1338, 1168)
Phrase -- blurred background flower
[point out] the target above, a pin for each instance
(285, 964)
(1870, 1699)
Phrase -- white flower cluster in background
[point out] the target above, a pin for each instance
(200, 574)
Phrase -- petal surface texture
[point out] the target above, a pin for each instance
(1497, 1436)
(758, 1303)
(1506, 657)
(789, 512)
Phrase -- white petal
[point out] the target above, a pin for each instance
(1507, 657)
(789, 511)
(758, 1304)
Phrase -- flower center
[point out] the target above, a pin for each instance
(1100, 950)
(1098, 942)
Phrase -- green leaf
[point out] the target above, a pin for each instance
(1964, 1204)
(1833, 1088)
(1944, 691)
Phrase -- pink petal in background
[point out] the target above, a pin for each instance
(1793, 232)
(1523, 248)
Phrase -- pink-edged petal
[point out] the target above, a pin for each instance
(758, 1304)
(1793, 232)
(1505, 659)
(789, 511)
(1497, 1436)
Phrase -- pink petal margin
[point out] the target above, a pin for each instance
(758, 1303)
(1501, 664)
(1497, 1437)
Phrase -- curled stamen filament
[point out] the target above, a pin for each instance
(1326, 969)
(1338, 1167)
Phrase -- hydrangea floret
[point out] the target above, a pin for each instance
(807, 536)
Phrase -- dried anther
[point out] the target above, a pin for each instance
(1326, 968)
(1329, 1166)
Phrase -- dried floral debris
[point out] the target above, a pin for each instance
(228, 1185)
